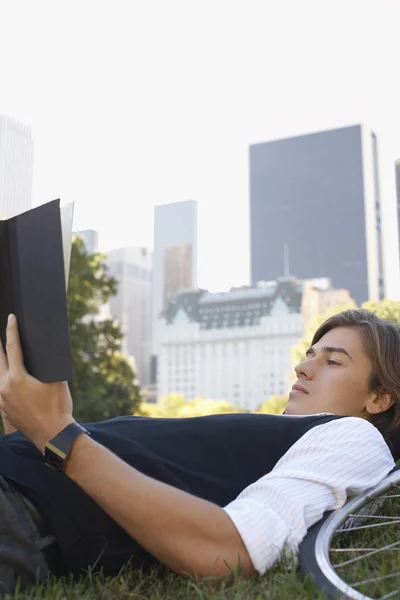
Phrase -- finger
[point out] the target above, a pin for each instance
(13, 348)
(3, 361)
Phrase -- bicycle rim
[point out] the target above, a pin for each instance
(328, 577)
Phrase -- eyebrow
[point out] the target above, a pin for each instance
(328, 350)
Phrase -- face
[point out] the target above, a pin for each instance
(334, 377)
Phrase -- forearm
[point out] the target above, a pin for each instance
(188, 534)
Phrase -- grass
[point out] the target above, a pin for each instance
(278, 584)
(130, 585)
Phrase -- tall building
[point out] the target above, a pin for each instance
(178, 270)
(132, 267)
(91, 239)
(397, 167)
(16, 168)
(232, 346)
(315, 208)
(174, 261)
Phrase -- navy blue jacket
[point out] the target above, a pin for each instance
(213, 457)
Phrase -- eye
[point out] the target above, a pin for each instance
(332, 362)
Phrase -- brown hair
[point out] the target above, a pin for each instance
(381, 340)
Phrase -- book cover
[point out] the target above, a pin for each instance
(35, 249)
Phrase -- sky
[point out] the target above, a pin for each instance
(143, 102)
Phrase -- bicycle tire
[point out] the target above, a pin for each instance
(314, 549)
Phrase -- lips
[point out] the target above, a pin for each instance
(299, 388)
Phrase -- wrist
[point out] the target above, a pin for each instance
(51, 431)
(74, 459)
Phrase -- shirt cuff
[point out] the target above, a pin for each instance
(265, 534)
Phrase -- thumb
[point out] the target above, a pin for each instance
(13, 349)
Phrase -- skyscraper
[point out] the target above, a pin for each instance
(16, 166)
(397, 167)
(174, 260)
(132, 305)
(178, 270)
(315, 209)
(91, 239)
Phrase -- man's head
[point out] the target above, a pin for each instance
(352, 368)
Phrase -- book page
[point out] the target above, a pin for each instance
(67, 214)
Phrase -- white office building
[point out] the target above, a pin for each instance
(132, 267)
(233, 346)
(16, 168)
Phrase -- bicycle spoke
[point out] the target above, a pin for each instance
(373, 579)
(375, 551)
(386, 497)
(373, 517)
(367, 526)
(389, 595)
(360, 549)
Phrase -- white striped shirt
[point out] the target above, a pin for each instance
(328, 464)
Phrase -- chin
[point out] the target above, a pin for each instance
(296, 408)
(291, 410)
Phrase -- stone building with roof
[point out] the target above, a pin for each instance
(232, 345)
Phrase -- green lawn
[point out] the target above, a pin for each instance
(130, 585)
(279, 584)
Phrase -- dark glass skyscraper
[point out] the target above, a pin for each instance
(315, 210)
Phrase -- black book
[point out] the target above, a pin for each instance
(35, 251)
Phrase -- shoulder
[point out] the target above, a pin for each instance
(347, 427)
(344, 454)
(349, 439)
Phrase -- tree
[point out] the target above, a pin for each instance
(176, 405)
(105, 383)
(275, 405)
(386, 309)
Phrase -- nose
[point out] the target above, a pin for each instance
(304, 370)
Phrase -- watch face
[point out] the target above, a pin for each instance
(54, 460)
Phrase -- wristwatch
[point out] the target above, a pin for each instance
(57, 450)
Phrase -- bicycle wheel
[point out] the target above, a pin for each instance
(354, 552)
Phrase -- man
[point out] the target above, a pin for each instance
(200, 495)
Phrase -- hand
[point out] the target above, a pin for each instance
(39, 410)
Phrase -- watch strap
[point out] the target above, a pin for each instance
(58, 448)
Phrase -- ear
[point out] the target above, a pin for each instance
(379, 403)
